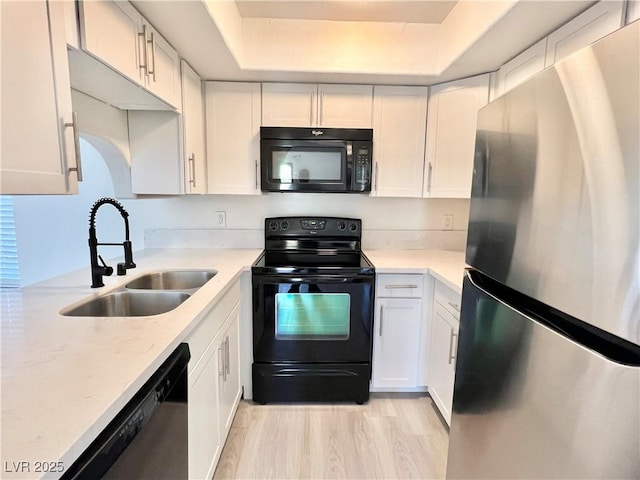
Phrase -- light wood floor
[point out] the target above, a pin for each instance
(393, 436)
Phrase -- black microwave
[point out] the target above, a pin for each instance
(336, 160)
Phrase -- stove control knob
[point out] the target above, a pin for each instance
(353, 227)
(273, 226)
(342, 225)
(284, 225)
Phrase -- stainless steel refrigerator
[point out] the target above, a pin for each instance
(547, 380)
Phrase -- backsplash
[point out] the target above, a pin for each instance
(253, 238)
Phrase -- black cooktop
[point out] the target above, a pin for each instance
(308, 245)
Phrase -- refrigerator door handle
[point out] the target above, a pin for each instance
(615, 349)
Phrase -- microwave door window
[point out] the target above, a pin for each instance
(296, 166)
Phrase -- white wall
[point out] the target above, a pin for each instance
(52, 231)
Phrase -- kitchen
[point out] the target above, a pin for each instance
(192, 220)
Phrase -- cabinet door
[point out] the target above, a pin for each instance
(156, 156)
(346, 106)
(289, 104)
(193, 127)
(230, 389)
(520, 68)
(163, 68)
(204, 425)
(232, 133)
(593, 24)
(399, 129)
(112, 32)
(37, 149)
(451, 134)
(396, 342)
(444, 341)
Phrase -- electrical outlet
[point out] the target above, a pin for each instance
(221, 219)
(447, 221)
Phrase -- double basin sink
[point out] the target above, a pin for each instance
(150, 294)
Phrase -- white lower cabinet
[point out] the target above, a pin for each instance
(445, 320)
(397, 325)
(204, 424)
(214, 383)
(230, 389)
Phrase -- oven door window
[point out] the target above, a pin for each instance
(312, 316)
(290, 165)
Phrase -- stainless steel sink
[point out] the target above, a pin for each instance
(172, 280)
(128, 304)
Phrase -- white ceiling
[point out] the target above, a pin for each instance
(260, 41)
(431, 11)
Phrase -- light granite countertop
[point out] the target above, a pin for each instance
(445, 265)
(65, 378)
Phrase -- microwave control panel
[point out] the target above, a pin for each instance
(362, 165)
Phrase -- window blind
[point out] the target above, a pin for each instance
(9, 267)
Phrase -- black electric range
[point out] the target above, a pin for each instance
(313, 293)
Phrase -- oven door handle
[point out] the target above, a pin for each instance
(338, 278)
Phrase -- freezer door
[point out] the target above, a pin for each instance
(529, 402)
(555, 208)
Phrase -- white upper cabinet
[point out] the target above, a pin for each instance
(156, 154)
(520, 68)
(111, 31)
(193, 128)
(345, 106)
(289, 104)
(232, 137)
(118, 36)
(38, 142)
(163, 67)
(593, 24)
(451, 133)
(399, 125)
(310, 105)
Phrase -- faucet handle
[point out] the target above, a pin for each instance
(108, 271)
(128, 259)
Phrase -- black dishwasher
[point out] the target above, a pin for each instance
(148, 439)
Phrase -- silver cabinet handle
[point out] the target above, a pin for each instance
(381, 317)
(429, 174)
(391, 287)
(311, 97)
(227, 366)
(375, 179)
(145, 65)
(76, 141)
(455, 306)
(221, 371)
(452, 356)
(152, 41)
(257, 175)
(192, 169)
(320, 119)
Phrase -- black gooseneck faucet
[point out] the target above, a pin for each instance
(97, 270)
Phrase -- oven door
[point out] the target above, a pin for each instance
(312, 318)
(304, 165)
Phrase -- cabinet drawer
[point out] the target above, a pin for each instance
(448, 298)
(401, 286)
(209, 326)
